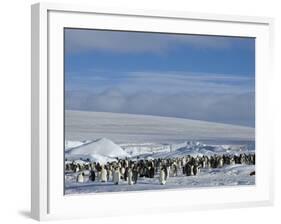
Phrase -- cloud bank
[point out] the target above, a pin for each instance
(210, 97)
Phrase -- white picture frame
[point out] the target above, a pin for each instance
(47, 198)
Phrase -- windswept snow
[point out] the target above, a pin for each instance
(129, 128)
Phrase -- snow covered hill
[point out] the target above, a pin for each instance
(101, 150)
(129, 128)
(74, 144)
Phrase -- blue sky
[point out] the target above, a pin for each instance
(190, 76)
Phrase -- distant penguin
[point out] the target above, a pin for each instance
(196, 170)
(130, 177)
(183, 161)
(204, 164)
(92, 175)
(109, 175)
(162, 178)
(220, 165)
(122, 172)
(152, 172)
(232, 161)
(168, 172)
(103, 175)
(98, 175)
(76, 169)
(126, 173)
(116, 176)
(135, 174)
(126, 163)
(191, 170)
(179, 165)
(80, 178)
(187, 170)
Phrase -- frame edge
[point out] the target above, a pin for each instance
(35, 192)
(39, 168)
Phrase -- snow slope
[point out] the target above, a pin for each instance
(129, 128)
(101, 150)
(74, 144)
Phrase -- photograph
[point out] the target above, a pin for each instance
(151, 111)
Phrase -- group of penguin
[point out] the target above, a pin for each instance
(129, 171)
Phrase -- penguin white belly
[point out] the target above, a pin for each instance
(116, 177)
(191, 170)
(220, 163)
(204, 164)
(80, 178)
(103, 175)
(162, 177)
(168, 172)
(77, 169)
(130, 178)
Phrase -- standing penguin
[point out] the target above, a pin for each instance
(187, 169)
(77, 168)
(103, 174)
(122, 172)
(116, 176)
(152, 172)
(162, 177)
(98, 176)
(168, 168)
(204, 163)
(191, 170)
(135, 174)
(130, 177)
(109, 174)
(196, 169)
(232, 161)
(80, 178)
(126, 173)
(92, 175)
(220, 162)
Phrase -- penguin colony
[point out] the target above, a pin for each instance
(129, 170)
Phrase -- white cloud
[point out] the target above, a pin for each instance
(236, 109)
(212, 97)
(169, 81)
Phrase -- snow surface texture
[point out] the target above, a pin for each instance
(128, 128)
(227, 176)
